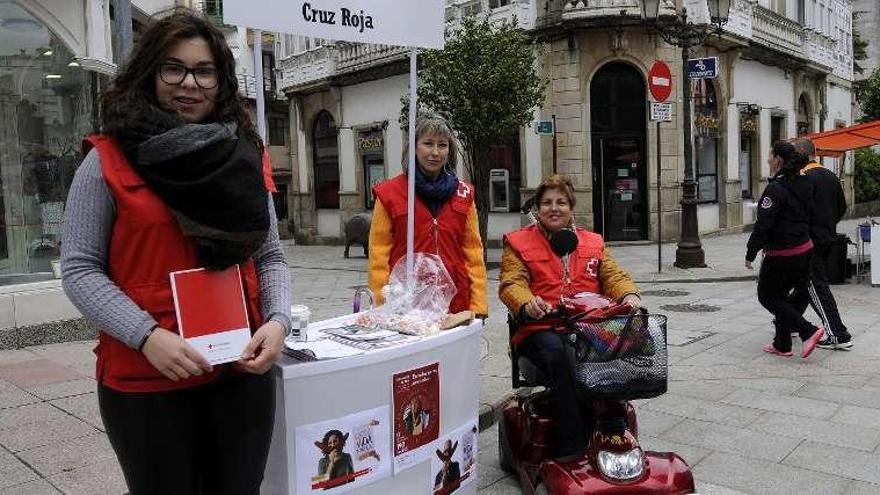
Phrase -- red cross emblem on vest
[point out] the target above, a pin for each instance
(593, 267)
(463, 190)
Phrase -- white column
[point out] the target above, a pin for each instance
(532, 141)
(764, 142)
(302, 157)
(791, 123)
(98, 45)
(733, 142)
(393, 149)
(347, 168)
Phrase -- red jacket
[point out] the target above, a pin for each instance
(145, 246)
(545, 269)
(442, 236)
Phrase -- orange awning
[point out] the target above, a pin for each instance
(838, 141)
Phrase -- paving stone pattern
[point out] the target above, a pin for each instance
(745, 421)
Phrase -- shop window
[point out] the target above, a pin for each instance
(278, 131)
(46, 106)
(280, 200)
(371, 146)
(326, 161)
(706, 128)
(777, 128)
(748, 136)
(803, 117)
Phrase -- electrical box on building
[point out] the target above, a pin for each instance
(499, 190)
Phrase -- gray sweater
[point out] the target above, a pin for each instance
(88, 222)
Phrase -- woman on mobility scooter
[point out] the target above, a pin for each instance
(531, 280)
(575, 312)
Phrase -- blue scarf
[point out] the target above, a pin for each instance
(435, 192)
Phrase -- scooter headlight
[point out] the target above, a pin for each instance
(621, 465)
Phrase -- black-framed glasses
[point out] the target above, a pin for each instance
(205, 77)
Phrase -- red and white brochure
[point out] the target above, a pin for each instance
(211, 312)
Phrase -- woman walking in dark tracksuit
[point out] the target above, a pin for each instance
(782, 230)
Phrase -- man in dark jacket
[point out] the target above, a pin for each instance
(829, 206)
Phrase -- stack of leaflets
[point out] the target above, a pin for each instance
(367, 338)
(315, 350)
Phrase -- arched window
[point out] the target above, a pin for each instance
(326, 161)
(706, 127)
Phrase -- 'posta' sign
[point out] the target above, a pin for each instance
(417, 23)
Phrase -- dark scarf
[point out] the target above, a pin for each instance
(435, 192)
(210, 177)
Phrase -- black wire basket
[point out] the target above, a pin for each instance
(620, 358)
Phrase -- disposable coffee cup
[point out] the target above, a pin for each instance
(299, 322)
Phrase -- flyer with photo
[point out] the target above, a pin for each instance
(416, 400)
(454, 459)
(343, 454)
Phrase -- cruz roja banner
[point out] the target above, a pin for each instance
(412, 23)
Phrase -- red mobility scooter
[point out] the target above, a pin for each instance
(615, 354)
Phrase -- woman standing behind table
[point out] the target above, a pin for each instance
(782, 230)
(445, 219)
(177, 182)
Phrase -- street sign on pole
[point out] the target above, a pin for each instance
(544, 128)
(661, 112)
(703, 68)
(413, 23)
(660, 81)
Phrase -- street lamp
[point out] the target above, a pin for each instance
(677, 31)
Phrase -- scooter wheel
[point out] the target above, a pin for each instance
(504, 455)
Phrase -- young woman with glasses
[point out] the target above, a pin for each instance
(178, 180)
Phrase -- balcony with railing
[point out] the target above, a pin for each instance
(495, 11)
(777, 31)
(357, 56)
(309, 67)
(588, 9)
(213, 10)
(247, 86)
(739, 21)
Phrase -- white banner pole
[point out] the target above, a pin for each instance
(411, 174)
(259, 85)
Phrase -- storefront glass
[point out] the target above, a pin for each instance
(706, 127)
(46, 107)
(371, 145)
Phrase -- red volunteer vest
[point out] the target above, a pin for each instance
(442, 236)
(145, 246)
(545, 268)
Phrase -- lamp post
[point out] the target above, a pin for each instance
(678, 31)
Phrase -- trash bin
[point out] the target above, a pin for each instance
(837, 260)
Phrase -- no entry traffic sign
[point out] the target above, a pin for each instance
(660, 81)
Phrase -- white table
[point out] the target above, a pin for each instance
(319, 390)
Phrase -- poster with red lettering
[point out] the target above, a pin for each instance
(416, 397)
(343, 454)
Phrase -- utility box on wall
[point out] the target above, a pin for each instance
(499, 190)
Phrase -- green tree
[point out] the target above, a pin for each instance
(485, 84)
(868, 96)
(859, 46)
(867, 175)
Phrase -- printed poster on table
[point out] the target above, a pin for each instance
(343, 454)
(416, 399)
(454, 459)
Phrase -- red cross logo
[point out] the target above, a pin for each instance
(593, 267)
(463, 190)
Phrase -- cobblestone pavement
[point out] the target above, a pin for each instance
(745, 421)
